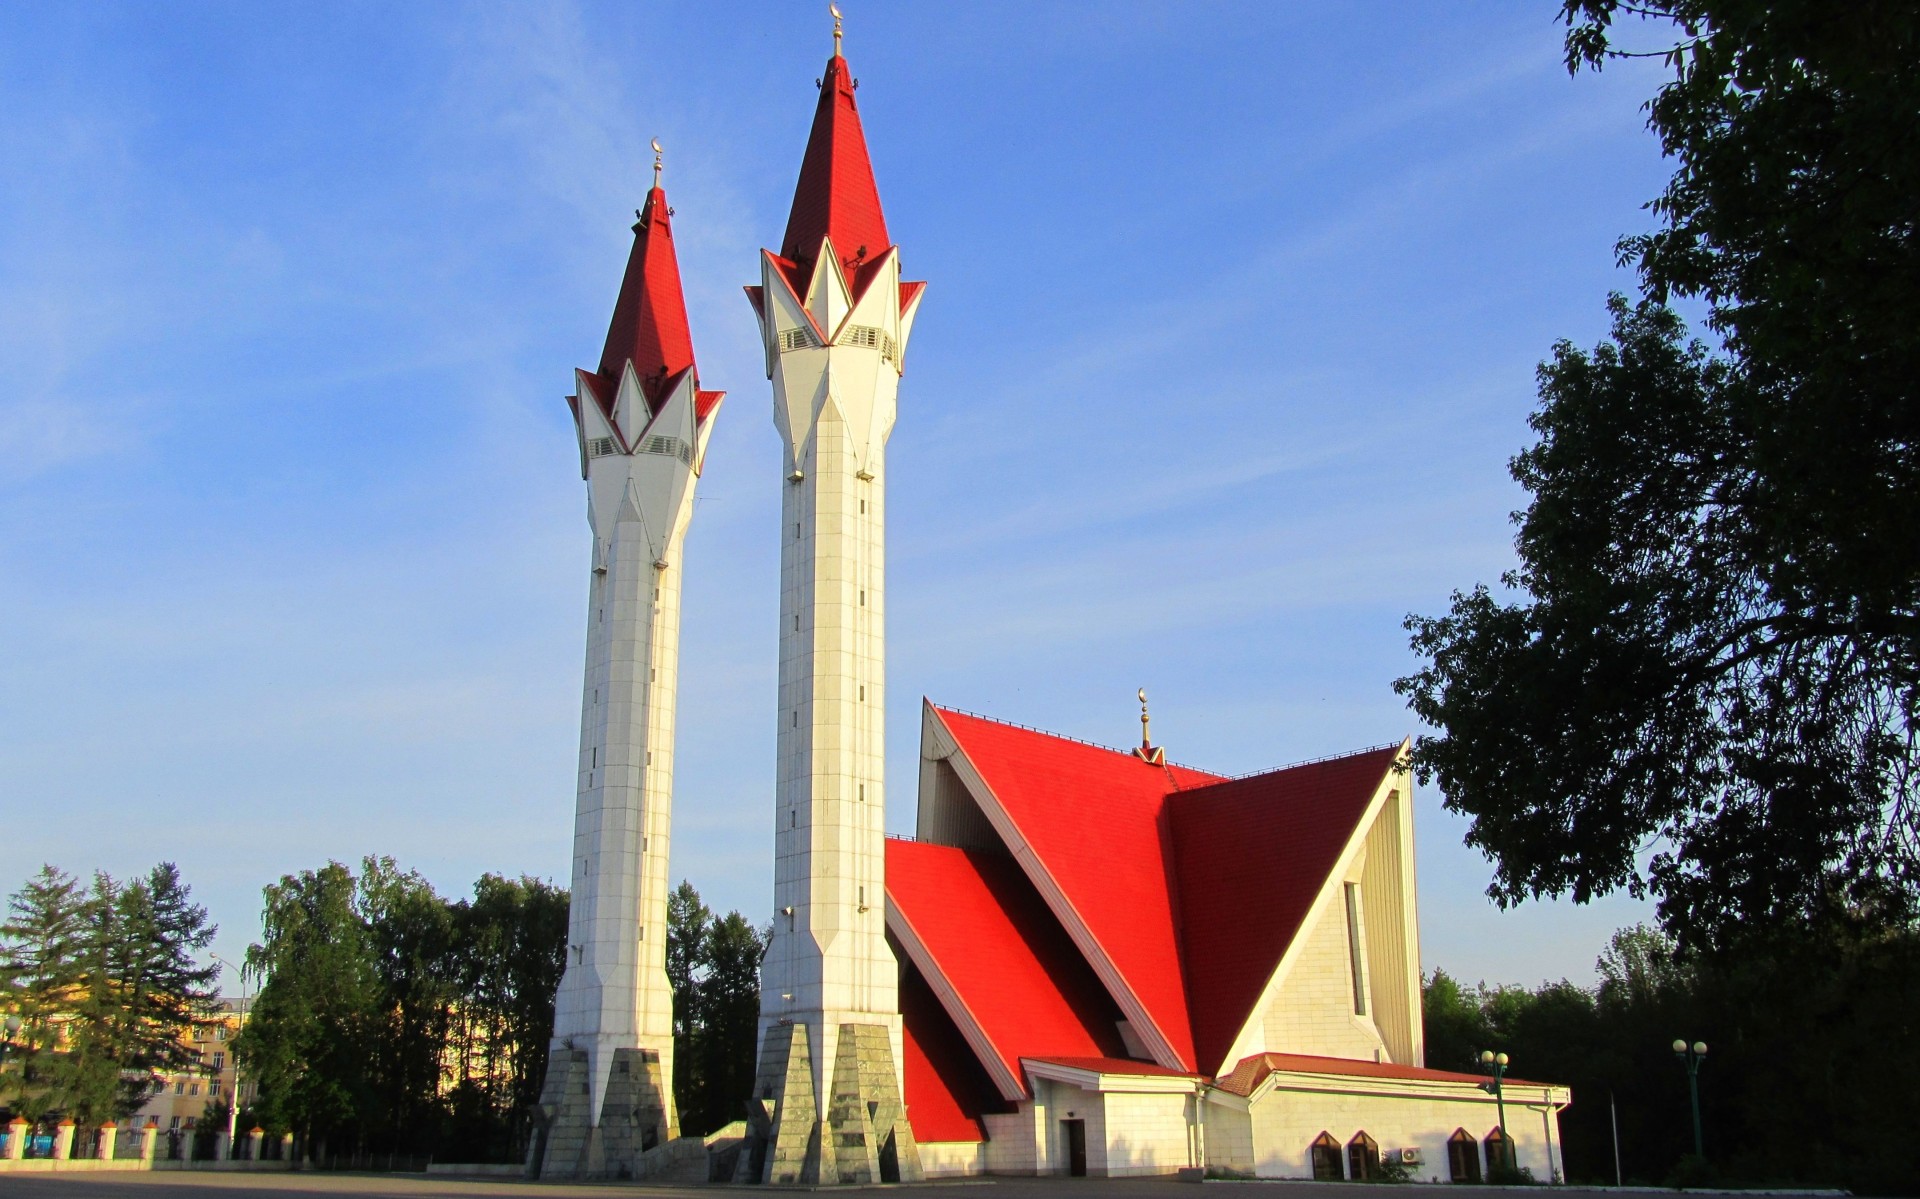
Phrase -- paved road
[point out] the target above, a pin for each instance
(186, 1185)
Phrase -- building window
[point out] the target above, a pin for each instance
(1363, 1158)
(220, 1033)
(1326, 1159)
(173, 1124)
(193, 1088)
(1353, 950)
(180, 1086)
(219, 1062)
(1499, 1155)
(1463, 1157)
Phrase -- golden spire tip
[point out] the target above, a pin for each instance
(656, 162)
(835, 10)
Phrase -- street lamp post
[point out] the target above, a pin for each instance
(1497, 1062)
(233, 1109)
(1692, 1055)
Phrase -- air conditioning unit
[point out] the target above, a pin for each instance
(1409, 1157)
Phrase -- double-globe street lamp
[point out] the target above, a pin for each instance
(1693, 1055)
(1497, 1062)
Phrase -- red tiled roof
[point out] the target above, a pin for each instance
(649, 326)
(1114, 1065)
(1251, 855)
(1093, 818)
(1250, 1073)
(946, 1090)
(1007, 959)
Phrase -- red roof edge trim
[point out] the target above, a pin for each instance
(704, 402)
(909, 292)
(1211, 777)
(1115, 1065)
(1246, 1077)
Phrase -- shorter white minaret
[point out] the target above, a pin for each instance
(643, 424)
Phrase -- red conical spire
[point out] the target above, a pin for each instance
(836, 196)
(650, 318)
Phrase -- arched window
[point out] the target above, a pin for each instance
(1363, 1158)
(1326, 1159)
(1499, 1154)
(1463, 1156)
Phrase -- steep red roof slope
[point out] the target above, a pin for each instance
(649, 326)
(946, 1090)
(1094, 818)
(1250, 855)
(998, 947)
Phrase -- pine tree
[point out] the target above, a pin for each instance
(43, 966)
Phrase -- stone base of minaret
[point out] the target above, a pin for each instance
(635, 1116)
(864, 1138)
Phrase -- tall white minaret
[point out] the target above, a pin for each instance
(643, 423)
(835, 318)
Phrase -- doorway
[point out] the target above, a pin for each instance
(1075, 1132)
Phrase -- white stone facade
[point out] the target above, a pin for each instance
(835, 367)
(614, 994)
(1271, 1133)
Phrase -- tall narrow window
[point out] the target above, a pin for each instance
(1353, 950)
(1363, 1158)
(1463, 1156)
(1499, 1155)
(1326, 1159)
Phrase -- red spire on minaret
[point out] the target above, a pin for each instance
(836, 196)
(650, 318)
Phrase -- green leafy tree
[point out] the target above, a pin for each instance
(410, 932)
(308, 1041)
(1713, 649)
(511, 950)
(729, 999)
(688, 921)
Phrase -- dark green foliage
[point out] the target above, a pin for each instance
(307, 1042)
(714, 966)
(512, 944)
(1715, 646)
(728, 1035)
(1811, 1041)
(687, 921)
(391, 1020)
(105, 984)
(44, 966)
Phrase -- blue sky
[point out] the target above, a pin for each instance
(1232, 322)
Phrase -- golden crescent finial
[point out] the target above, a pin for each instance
(657, 153)
(835, 10)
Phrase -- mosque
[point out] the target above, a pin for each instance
(1086, 961)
